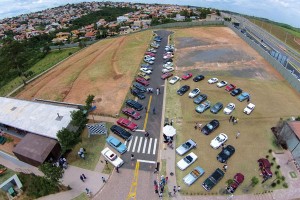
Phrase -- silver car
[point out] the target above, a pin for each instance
(185, 147)
(193, 176)
(187, 161)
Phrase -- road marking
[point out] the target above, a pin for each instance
(133, 148)
(130, 142)
(146, 161)
(140, 143)
(154, 147)
(147, 112)
(150, 143)
(145, 144)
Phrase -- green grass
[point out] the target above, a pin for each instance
(51, 59)
(82, 196)
(6, 175)
(93, 145)
(108, 169)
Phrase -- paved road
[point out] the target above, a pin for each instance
(142, 148)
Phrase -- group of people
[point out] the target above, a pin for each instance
(150, 90)
(81, 153)
(62, 162)
(168, 140)
(198, 125)
(233, 119)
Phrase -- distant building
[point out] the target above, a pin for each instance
(179, 17)
(122, 19)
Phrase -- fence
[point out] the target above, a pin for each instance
(293, 81)
(65, 46)
(189, 24)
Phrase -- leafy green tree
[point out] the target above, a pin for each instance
(51, 172)
(78, 117)
(67, 139)
(88, 102)
(46, 49)
(254, 181)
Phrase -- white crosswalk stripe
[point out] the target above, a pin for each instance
(142, 145)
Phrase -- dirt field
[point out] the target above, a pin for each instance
(105, 69)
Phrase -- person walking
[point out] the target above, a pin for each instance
(237, 135)
(157, 91)
(88, 192)
(81, 178)
(147, 134)
(153, 110)
(174, 190)
(132, 157)
(146, 109)
(103, 180)
(230, 118)
(167, 178)
(117, 169)
(155, 170)
(225, 168)
(178, 188)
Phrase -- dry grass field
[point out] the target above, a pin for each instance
(273, 97)
(105, 69)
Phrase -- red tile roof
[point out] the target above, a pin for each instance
(295, 126)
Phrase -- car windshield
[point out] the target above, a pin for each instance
(219, 139)
(195, 173)
(187, 145)
(226, 152)
(188, 159)
(209, 126)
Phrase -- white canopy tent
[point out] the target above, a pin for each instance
(169, 131)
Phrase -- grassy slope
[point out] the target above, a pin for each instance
(51, 59)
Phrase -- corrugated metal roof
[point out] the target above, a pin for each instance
(35, 117)
(295, 126)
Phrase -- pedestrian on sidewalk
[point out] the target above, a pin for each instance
(172, 122)
(103, 179)
(178, 188)
(155, 170)
(146, 109)
(81, 178)
(160, 195)
(167, 178)
(237, 135)
(174, 190)
(147, 134)
(88, 192)
(132, 157)
(157, 91)
(156, 188)
(153, 110)
(230, 118)
(117, 169)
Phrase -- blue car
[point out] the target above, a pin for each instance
(243, 96)
(116, 144)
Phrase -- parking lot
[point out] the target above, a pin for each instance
(273, 97)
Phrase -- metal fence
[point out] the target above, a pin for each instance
(280, 67)
(188, 24)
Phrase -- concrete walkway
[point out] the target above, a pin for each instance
(99, 118)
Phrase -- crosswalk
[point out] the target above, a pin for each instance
(142, 145)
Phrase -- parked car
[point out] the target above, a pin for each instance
(137, 93)
(142, 81)
(199, 99)
(265, 168)
(183, 90)
(116, 144)
(144, 76)
(194, 93)
(134, 104)
(250, 107)
(219, 140)
(131, 113)
(168, 55)
(169, 48)
(230, 87)
(203, 107)
(225, 154)
(126, 123)
(168, 64)
(121, 132)
(146, 71)
(186, 76)
(243, 96)
(139, 86)
(236, 92)
(152, 50)
(145, 65)
(174, 80)
(151, 62)
(168, 60)
(229, 108)
(149, 57)
(112, 157)
(166, 75)
(216, 108)
(210, 127)
(221, 84)
(193, 176)
(167, 69)
(238, 179)
(185, 147)
(187, 161)
(212, 80)
(150, 53)
(198, 78)
(213, 179)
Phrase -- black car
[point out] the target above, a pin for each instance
(216, 108)
(137, 93)
(236, 92)
(168, 60)
(225, 154)
(183, 90)
(134, 104)
(199, 99)
(139, 86)
(210, 127)
(198, 78)
(121, 132)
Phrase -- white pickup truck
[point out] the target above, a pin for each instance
(112, 157)
(250, 107)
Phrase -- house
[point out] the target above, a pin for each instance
(90, 35)
(179, 17)
(122, 19)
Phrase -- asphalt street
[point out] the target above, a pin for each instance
(146, 149)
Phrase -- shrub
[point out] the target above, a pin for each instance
(229, 181)
(270, 150)
(70, 53)
(278, 181)
(254, 181)
(276, 172)
(278, 166)
(285, 185)
(273, 158)
(273, 184)
(272, 164)
(267, 156)
(282, 178)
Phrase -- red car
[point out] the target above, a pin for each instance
(237, 180)
(142, 81)
(131, 113)
(166, 75)
(150, 54)
(126, 123)
(186, 76)
(230, 87)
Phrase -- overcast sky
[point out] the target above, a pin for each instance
(286, 11)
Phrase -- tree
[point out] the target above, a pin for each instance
(254, 181)
(67, 139)
(88, 102)
(78, 117)
(51, 172)
(46, 49)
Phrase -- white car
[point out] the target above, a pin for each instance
(219, 140)
(112, 157)
(221, 84)
(149, 57)
(152, 50)
(168, 64)
(194, 93)
(212, 80)
(229, 108)
(187, 161)
(250, 107)
(174, 80)
(146, 71)
(167, 69)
